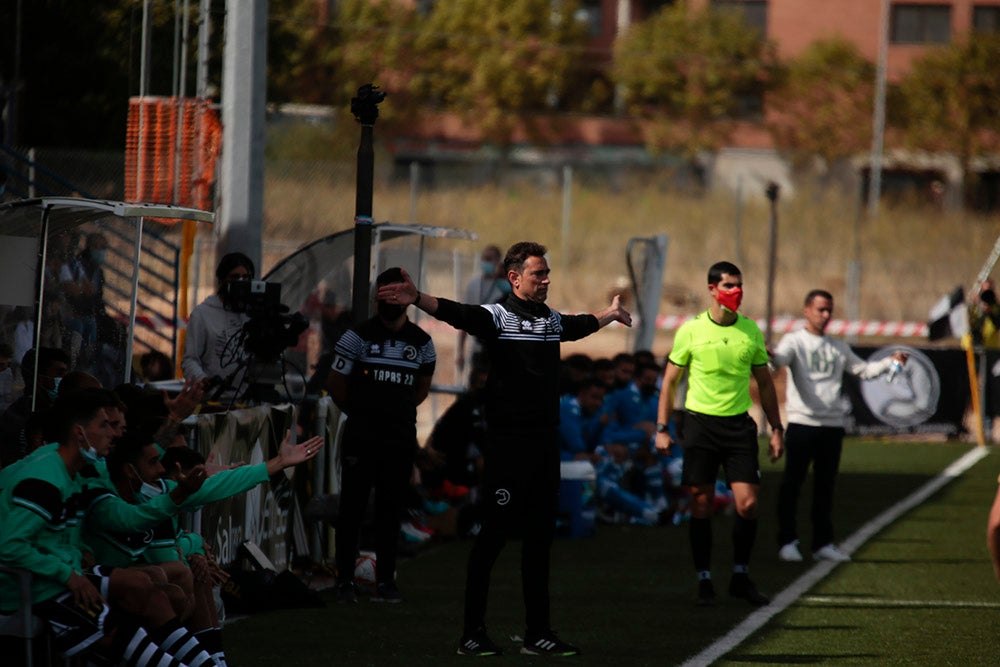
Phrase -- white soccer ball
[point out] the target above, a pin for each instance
(364, 572)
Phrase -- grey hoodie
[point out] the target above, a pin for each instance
(212, 337)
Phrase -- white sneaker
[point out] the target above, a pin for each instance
(831, 552)
(790, 552)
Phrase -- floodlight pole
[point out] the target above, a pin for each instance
(772, 258)
(365, 110)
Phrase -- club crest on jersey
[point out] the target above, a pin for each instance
(409, 353)
(503, 496)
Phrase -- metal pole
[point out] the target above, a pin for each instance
(180, 103)
(739, 221)
(365, 110)
(204, 30)
(878, 113)
(772, 259)
(133, 301)
(567, 213)
(414, 185)
(40, 301)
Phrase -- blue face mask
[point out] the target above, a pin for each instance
(504, 286)
(488, 268)
(89, 454)
(150, 491)
(146, 490)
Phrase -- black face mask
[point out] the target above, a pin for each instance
(389, 312)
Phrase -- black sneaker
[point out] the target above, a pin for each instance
(346, 593)
(479, 644)
(706, 593)
(547, 644)
(740, 586)
(387, 592)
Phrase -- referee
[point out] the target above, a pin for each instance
(521, 472)
(721, 349)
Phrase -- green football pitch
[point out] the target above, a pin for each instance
(920, 589)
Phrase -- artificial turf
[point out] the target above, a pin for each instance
(920, 592)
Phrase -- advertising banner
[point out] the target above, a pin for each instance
(262, 514)
(929, 395)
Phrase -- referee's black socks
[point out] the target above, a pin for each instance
(700, 531)
(744, 536)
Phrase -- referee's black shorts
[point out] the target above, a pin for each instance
(710, 441)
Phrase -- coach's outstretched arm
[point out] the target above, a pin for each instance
(613, 313)
(405, 293)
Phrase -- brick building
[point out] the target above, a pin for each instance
(915, 26)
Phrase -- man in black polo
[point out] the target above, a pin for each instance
(381, 372)
(521, 472)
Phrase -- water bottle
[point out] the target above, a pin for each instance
(894, 370)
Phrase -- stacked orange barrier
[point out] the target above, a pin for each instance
(171, 146)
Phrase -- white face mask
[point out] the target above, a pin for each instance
(89, 454)
(146, 490)
(150, 491)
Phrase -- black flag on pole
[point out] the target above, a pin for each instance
(948, 317)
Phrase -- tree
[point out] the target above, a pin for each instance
(951, 101)
(822, 105)
(499, 65)
(689, 72)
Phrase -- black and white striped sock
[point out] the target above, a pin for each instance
(211, 639)
(142, 651)
(178, 640)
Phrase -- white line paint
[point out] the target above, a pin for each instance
(887, 602)
(811, 577)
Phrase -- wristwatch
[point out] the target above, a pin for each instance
(778, 429)
(661, 428)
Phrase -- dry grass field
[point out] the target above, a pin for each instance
(910, 255)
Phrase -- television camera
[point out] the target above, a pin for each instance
(271, 328)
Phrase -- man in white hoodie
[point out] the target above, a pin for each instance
(212, 352)
(815, 413)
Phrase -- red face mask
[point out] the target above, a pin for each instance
(729, 300)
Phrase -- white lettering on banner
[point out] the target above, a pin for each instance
(257, 515)
(269, 525)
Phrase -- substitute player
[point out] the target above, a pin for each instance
(721, 350)
(382, 371)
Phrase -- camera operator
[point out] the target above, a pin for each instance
(984, 317)
(209, 353)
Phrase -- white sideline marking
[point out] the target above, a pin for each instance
(811, 577)
(886, 602)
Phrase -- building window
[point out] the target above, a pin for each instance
(754, 11)
(921, 24)
(589, 14)
(986, 20)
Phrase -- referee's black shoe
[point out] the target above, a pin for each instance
(740, 586)
(547, 644)
(478, 643)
